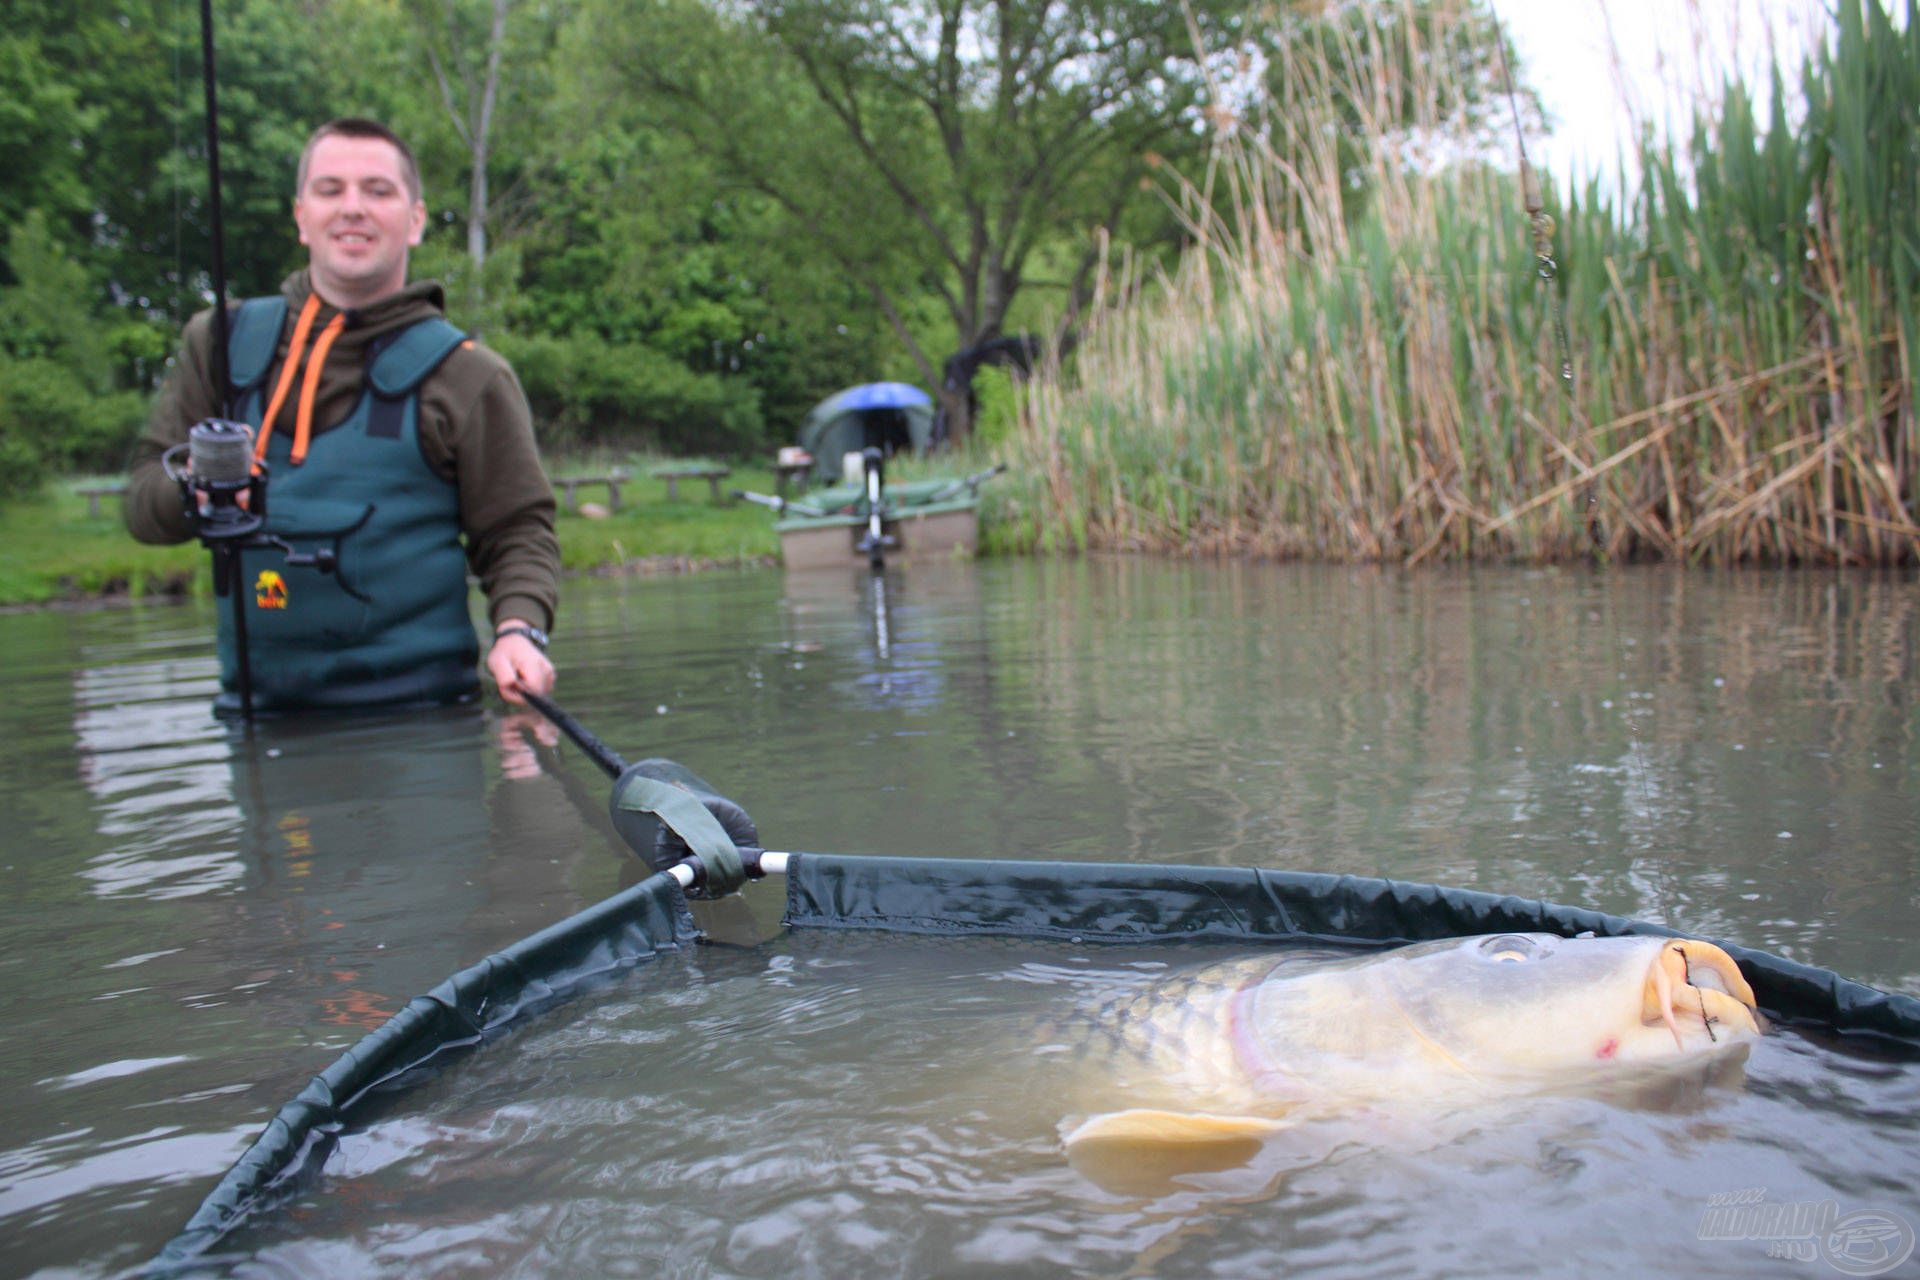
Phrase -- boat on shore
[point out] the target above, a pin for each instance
(875, 521)
(855, 513)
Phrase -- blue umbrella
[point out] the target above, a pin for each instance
(879, 395)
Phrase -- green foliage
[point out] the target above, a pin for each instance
(48, 312)
(57, 361)
(585, 390)
(640, 242)
(50, 419)
(82, 111)
(947, 146)
(999, 412)
(40, 118)
(483, 300)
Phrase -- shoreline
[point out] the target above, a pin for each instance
(660, 566)
(643, 567)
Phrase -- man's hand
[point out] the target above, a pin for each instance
(518, 667)
(243, 499)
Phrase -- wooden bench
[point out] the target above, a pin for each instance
(674, 474)
(94, 492)
(613, 480)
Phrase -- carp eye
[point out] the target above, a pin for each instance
(1510, 948)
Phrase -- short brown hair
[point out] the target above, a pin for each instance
(360, 127)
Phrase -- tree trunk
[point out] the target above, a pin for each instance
(473, 121)
(956, 408)
(477, 213)
(479, 143)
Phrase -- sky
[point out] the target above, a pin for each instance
(1596, 63)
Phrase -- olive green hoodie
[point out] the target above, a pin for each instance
(475, 430)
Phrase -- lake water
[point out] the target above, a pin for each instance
(197, 919)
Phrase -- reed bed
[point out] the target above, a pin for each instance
(1370, 371)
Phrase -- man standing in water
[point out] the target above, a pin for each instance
(391, 439)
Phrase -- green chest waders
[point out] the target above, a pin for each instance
(389, 625)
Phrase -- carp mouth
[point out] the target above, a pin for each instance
(1696, 982)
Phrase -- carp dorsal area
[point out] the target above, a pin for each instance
(1512, 948)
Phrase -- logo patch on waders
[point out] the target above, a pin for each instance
(270, 590)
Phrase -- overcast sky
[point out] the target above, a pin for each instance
(1580, 53)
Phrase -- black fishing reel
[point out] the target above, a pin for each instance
(224, 490)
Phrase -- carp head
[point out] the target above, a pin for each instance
(1518, 1003)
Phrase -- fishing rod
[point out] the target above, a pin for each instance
(223, 487)
(1538, 218)
(597, 751)
(778, 505)
(209, 84)
(970, 484)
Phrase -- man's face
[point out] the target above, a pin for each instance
(357, 219)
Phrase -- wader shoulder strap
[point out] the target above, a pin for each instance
(254, 338)
(404, 361)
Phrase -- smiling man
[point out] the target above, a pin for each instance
(390, 439)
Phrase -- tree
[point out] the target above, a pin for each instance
(936, 145)
(42, 122)
(58, 406)
(634, 240)
(482, 55)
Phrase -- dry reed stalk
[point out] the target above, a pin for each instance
(1378, 383)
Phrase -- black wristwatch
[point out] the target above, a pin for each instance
(526, 629)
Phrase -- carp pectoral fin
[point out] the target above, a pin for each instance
(1142, 1151)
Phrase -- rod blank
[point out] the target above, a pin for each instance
(599, 752)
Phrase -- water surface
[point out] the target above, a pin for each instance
(198, 919)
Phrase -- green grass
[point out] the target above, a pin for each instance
(56, 551)
(649, 529)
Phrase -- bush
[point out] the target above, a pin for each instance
(999, 406)
(587, 391)
(50, 420)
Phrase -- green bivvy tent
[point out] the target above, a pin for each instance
(671, 818)
(891, 416)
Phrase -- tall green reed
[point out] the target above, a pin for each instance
(1369, 371)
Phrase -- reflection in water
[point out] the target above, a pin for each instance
(882, 642)
(158, 765)
(1733, 754)
(898, 644)
(210, 913)
(198, 918)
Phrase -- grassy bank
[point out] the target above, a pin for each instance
(56, 551)
(1369, 369)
